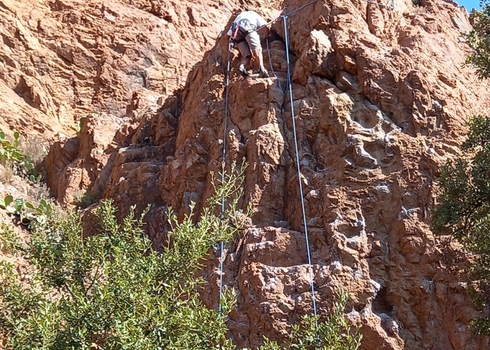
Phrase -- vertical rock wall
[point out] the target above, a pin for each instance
(380, 98)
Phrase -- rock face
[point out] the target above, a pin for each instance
(63, 59)
(380, 99)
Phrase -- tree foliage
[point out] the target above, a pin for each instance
(464, 211)
(479, 40)
(113, 291)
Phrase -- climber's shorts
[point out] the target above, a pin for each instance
(251, 42)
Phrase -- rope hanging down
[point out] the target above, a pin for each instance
(223, 163)
(225, 127)
(290, 88)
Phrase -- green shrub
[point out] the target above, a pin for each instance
(464, 212)
(9, 241)
(111, 290)
(479, 41)
(27, 212)
(10, 153)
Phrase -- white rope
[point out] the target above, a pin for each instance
(290, 87)
(221, 252)
(223, 162)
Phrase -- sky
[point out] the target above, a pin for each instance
(470, 4)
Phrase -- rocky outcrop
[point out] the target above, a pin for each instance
(63, 59)
(379, 107)
(380, 99)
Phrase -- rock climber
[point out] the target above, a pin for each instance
(244, 32)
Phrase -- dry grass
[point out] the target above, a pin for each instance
(35, 148)
(6, 173)
(38, 191)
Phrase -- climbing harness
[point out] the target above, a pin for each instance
(223, 162)
(241, 29)
(291, 101)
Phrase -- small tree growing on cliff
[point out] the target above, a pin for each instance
(464, 204)
(464, 211)
(479, 40)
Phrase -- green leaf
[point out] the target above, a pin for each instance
(19, 204)
(8, 199)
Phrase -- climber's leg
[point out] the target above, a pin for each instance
(253, 41)
(246, 57)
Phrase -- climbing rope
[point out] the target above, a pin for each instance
(305, 226)
(289, 86)
(223, 163)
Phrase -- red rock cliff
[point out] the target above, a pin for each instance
(380, 98)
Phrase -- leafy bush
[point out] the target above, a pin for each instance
(464, 211)
(27, 211)
(10, 150)
(464, 202)
(479, 40)
(112, 290)
(9, 240)
(10, 153)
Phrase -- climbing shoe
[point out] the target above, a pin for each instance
(243, 71)
(263, 73)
